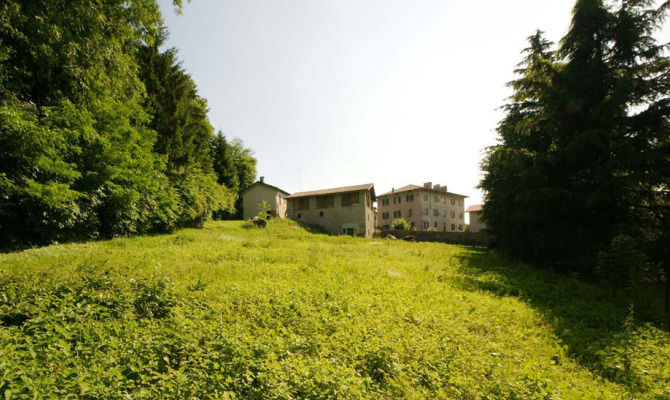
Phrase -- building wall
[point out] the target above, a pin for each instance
(256, 194)
(450, 218)
(476, 223)
(359, 217)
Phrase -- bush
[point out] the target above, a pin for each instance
(621, 263)
(400, 224)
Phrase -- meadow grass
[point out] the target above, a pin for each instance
(233, 311)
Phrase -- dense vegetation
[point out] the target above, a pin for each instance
(101, 134)
(234, 311)
(584, 153)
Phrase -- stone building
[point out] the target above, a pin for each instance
(346, 210)
(260, 191)
(475, 216)
(427, 207)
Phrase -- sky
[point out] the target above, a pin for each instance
(331, 93)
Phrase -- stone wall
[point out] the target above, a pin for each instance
(466, 238)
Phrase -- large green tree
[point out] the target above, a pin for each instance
(179, 117)
(235, 167)
(584, 142)
(81, 152)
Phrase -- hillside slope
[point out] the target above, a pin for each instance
(232, 311)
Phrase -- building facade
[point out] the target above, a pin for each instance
(260, 191)
(426, 208)
(475, 217)
(340, 211)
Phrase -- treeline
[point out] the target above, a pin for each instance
(101, 133)
(580, 180)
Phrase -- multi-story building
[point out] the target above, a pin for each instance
(430, 207)
(475, 214)
(347, 210)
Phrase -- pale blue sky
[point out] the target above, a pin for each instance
(332, 93)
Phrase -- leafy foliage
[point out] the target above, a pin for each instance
(235, 167)
(85, 150)
(400, 224)
(621, 263)
(585, 128)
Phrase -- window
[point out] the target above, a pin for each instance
(453, 227)
(445, 213)
(460, 227)
(385, 202)
(320, 213)
(425, 197)
(397, 214)
(386, 227)
(436, 224)
(385, 215)
(453, 201)
(426, 224)
(299, 215)
(411, 225)
(325, 201)
(409, 212)
(436, 198)
(301, 203)
(409, 197)
(444, 227)
(453, 214)
(426, 211)
(436, 212)
(460, 215)
(350, 199)
(460, 202)
(399, 199)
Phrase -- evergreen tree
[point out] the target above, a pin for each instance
(235, 167)
(81, 153)
(582, 138)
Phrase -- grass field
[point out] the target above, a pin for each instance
(233, 311)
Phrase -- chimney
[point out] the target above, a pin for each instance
(262, 178)
(392, 190)
(428, 185)
(444, 188)
(436, 187)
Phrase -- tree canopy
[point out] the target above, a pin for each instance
(584, 152)
(101, 134)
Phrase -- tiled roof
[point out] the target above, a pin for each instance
(416, 187)
(478, 207)
(346, 189)
(265, 184)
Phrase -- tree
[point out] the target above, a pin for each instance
(77, 143)
(400, 224)
(582, 137)
(235, 166)
(620, 262)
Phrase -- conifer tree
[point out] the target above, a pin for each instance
(583, 153)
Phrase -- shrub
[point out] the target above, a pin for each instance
(400, 224)
(621, 262)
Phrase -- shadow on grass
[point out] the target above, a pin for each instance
(598, 330)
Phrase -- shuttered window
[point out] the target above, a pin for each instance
(350, 199)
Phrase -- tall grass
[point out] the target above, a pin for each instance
(233, 311)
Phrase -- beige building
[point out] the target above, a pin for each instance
(475, 216)
(427, 207)
(347, 210)
(259, 192)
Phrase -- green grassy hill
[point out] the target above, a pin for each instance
(232, 311)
